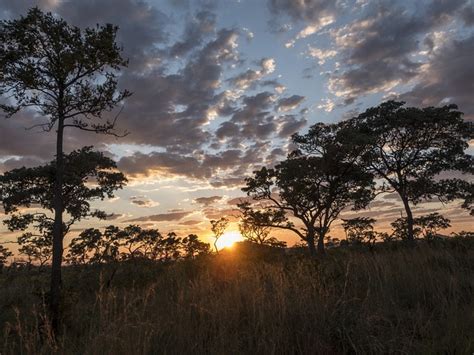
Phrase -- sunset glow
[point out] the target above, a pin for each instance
(228, 239)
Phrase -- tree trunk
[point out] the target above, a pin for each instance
(321, 249)
(410, 232)
(58, 205)
(310, 242)
(215, 245)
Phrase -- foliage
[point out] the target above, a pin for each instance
(400, 229)
(38, 248)
(130, 243)
(61, 71)
(464, 234)
(312, 186)
(426, 226)
(218, 227)
(193, 247)
(430, 224)
(4, 255)
(89, 176)
(254, 230)
(408, 147)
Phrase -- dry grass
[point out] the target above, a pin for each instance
(406, 300)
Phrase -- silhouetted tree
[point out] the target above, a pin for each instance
(139, 242)
(313, 185)
(193, 247)
(95, 247)
(256, 231)
(431, 224)
(170, 247)
(463, 234)
(218, 227)
(69, 76)
(360, 230)
(4, 255)
(88, 176)
(132, 242)
(36, 247)
(408, 147)
(400, 229)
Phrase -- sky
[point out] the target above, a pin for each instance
(220, 86)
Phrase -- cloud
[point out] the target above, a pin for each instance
(114, 216)
(191, 222)
(378, 49)
(448, 78)
(207, 201)
(250, 77)
(197, 27)
(219, 169)
(315, 14)
(321, 55)
(289, 124)
(143, 201)
(289, 103)
(235, 201)
(163, 217)
(214, 213)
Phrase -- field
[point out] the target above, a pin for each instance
(399, 298)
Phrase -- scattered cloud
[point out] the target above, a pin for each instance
(143, 201)
(163, 217)
(207, 201)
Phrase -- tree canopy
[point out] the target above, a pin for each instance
(414, 150)
(89, 176)
(312, 186)
(61, 71)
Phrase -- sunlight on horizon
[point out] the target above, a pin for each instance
(228, 239)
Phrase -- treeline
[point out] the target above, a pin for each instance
(112, 244)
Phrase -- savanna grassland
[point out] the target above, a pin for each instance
(248, 300)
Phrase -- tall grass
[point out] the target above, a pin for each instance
(407, 300)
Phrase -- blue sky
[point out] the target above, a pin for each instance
(219, 87)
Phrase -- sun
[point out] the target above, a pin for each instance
(228, 239)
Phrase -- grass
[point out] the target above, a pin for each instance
(394, 300)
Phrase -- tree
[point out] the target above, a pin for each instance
(95, 247)
(69, 76)
(431, 224)
(361, 230)
(88, 176)
(4, 255)
(36, 247)
(170, 247)
(218, 227)
(254, 230)
(313, 186)
(401, 232)
(138, 242)
(410, 148)
(358, 229)
(193, 247)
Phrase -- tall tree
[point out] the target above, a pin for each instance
(218, 227)
(410, 148)
(69, 76)
(313, 186)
